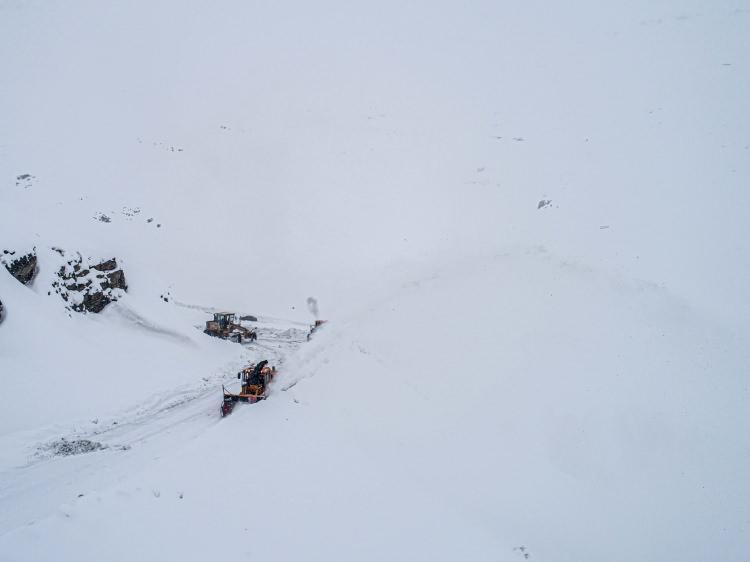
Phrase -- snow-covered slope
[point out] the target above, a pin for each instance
(62, 366)
(526, 223)
(500, 404)
(332, 139)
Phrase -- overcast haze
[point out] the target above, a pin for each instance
(543, 190)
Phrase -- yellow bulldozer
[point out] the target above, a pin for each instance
(225, 326)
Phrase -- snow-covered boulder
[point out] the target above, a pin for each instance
(88, 285)
(22, 267)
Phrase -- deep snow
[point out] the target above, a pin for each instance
(587, 428)
(498, 378)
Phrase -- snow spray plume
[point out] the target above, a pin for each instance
(312, 306)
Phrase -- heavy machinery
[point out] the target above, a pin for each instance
(314, 327)
(225, 326)
(255, 380)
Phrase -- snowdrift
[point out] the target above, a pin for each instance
(515, 405)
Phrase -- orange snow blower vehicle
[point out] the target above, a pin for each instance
(255, 380)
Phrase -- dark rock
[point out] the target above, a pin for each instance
(23, 268)
(108, 265)
(544, 203)
(93, 302)
(117, 280)
(25, 180)
(95, 283)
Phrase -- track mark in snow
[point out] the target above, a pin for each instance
(135, 318)
(162, 412)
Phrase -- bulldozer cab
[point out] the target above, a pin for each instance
(224, 319)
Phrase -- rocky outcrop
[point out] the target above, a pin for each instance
(2, 311)
(21, 267)
(89, 286)
(85, 284)
(109, 265)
